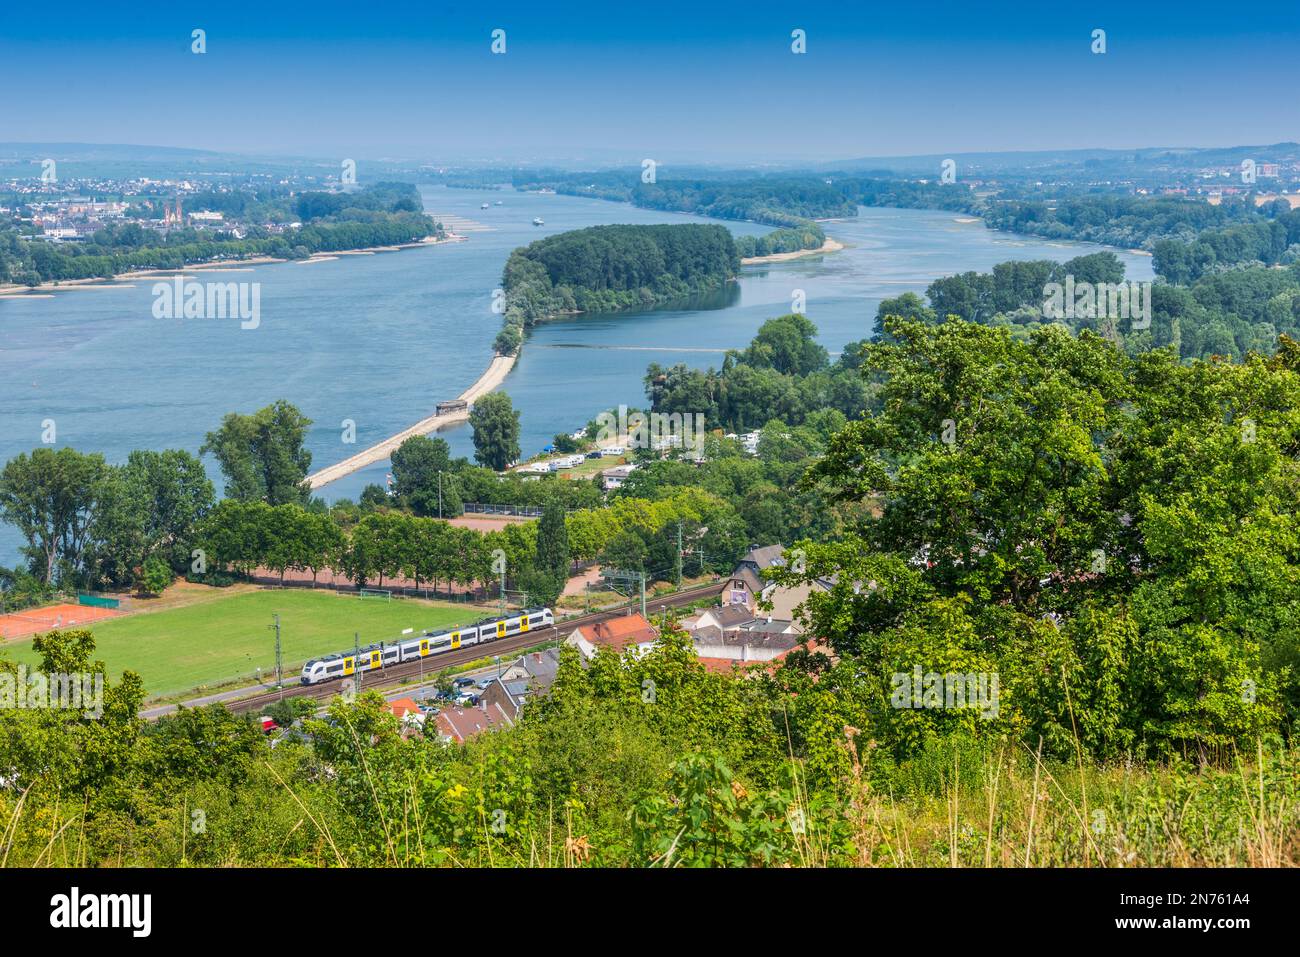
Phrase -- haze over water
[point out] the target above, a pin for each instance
(380, 339)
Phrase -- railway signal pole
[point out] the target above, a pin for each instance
(679, 555)
(279, 666)
(615, 574)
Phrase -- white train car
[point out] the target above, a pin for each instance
(375, 657)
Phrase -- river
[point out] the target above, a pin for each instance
(380, 339)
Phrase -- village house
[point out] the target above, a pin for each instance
(457, 725)
(614, 477)
(746, 587)
(406, 711)
(617, 634)
(528, 677)
(711, 623)
(725, 665)
(538, 668)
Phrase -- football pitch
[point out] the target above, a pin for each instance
(231, 637)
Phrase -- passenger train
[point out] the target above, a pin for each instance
(411, 647)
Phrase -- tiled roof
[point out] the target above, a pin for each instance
(619, 633)
(765, 556)
(401, 707)
(459, 724)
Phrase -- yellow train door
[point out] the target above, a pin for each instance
(349, 665)
(501, 629)
(376, 659)
(523, 623)
(455, 639)
(424, 647)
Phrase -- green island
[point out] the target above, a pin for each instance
(603, 268)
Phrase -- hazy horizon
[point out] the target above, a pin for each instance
(672, 80)
(609, 159)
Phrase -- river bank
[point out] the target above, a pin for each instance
(17, 290)
(830, 246)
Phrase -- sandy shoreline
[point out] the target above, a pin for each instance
(492, 378)
(830, 246)
(15, 290)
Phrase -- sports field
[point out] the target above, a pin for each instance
(30, 621)
(211, 642)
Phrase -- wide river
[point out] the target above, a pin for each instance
(380, 339)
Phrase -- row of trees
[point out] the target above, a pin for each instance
(1228, 312)
(789, 240)
(90, 524)
(1268, 242)
(1130, 222)
(381, 545)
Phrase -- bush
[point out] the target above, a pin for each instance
(154, 576)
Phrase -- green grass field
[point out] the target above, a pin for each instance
(214, 641)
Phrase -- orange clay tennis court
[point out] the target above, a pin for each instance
(31, 621)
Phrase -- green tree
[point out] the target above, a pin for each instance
(542, 587)
(496, 431)
(424, 477)
(53, 497)
(155, 576)
(626, 551)
(787, 344)
(263, 455)
(553, 541)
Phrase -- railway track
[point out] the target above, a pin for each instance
(395, 674)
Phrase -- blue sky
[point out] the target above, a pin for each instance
(663, 78)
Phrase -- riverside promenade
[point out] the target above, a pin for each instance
(496, 373)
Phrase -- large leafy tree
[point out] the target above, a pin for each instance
(1114, 538)
(553, 540)
(496, 431)
(52, 497)
(155, 504)
(787, 344)
(262, 455)
(425, 479)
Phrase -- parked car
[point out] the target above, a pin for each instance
(462, 682)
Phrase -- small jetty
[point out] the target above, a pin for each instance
(445, 413)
